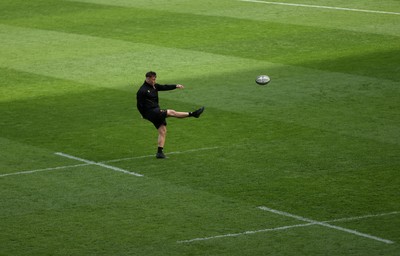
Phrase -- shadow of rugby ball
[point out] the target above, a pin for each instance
(263, 80)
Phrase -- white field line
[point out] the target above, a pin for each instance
(361, 217)
(285, 227)
(43, 170)
(99, 164)
(325, 224)
(169, 153)
(244, 233)
(321, 7)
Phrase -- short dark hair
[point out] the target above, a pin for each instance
(151, 74)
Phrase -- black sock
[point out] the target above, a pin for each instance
(190, 113)
(160, 149)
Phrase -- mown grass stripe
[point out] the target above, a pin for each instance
(322, 7)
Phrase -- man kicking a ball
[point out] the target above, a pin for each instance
(147, 104)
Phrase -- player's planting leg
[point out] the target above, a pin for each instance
(162, 133)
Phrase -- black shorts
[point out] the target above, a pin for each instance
(156, 116)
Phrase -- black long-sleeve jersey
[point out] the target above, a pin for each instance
(147, 96)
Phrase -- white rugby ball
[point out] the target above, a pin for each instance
(263, 80)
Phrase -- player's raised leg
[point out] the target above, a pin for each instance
(173, 113)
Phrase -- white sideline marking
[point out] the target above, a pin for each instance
(99, 164)
(325, 224)
(286, 227)
(321, 7)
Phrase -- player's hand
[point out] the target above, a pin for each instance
(179, 86)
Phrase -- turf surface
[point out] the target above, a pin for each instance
(321, 141)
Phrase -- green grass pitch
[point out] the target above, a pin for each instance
(307, 165)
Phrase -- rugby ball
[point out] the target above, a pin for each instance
(263, 80)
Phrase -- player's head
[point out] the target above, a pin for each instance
(151, 77)
(151, 74)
